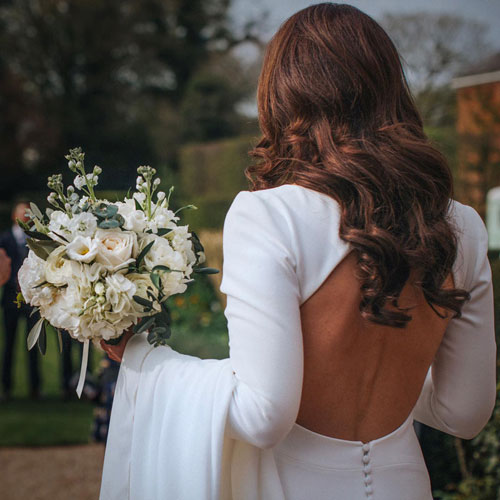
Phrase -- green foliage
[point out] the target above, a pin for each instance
(482, 481)
(210, 176)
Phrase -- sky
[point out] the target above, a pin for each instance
(486, 11)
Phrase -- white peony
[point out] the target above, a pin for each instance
(60, 271)
(115, 247)
(82, 249)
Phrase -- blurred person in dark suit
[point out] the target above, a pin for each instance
(13, 242)
(5, 264)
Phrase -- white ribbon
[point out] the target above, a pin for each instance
(83, 368)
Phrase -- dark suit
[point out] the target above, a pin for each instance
(17, 253)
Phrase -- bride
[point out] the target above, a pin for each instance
(359, 299)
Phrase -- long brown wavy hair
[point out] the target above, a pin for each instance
(337, 116)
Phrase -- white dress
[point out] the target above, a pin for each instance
(183, 428)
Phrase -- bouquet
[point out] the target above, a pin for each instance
(95, 267)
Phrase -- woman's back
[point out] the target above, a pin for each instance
(362, 380)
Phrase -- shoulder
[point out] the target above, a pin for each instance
(472, 242)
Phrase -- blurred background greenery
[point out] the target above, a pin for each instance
(170, 83)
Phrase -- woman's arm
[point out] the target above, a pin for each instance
(459, 392)
(263, 316)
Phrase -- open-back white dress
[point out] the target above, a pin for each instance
(184, 428)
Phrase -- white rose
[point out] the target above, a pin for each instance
(60, 271)
(115, 247)
(83, 224)
(82, 249)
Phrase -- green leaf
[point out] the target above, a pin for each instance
(142, 301)
(38, 250)
(197, 246)
(120, 219)
(34, 334)
(156, 280)
(161, 268)
(36, 211)
(143, 253)
(42, 341)
(111, 211)
(205, 270)
(23, 225)
(38, 235)
(144, 324)
(108, 224)
(163, 231)
(101, 210)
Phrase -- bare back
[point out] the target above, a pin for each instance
(361, 380)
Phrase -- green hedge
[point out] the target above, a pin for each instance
(210, 176)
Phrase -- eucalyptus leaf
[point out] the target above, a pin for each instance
(205, 270)
(143, 253)
(111, 211)
(197, 246)
(144, 324)
(34, 334)
(142, 301)
(120, 219)
(108, 224)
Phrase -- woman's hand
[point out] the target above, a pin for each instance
(115, 352)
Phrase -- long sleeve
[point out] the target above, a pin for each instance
(263, 314)
(459, 392)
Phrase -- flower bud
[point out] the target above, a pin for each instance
(160, 195)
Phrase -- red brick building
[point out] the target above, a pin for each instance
(478, 127)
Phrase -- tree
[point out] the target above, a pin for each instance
(434, 49)
(92, 68)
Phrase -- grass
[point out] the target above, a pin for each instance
(199, 329)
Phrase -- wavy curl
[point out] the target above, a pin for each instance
(337, 117)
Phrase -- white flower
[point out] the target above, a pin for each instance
(64, 311)
(114, 247)
(142, 284)
(82, 249)
(79, 181)
(83, 224)
(140, 197)
(59, 223)
(31, 274)
(135, 220)
(161, 253)
(60, 271)
(119, 292)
